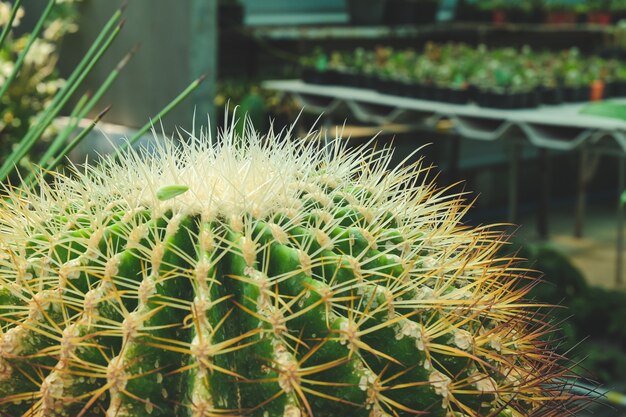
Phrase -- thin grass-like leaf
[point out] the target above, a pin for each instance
(9, 24)
(195, 84)
(70, 146)
(81, 113)
(60, 100)
(31, 39)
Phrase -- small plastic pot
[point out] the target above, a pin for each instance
(482, 98)
(415, 90)
(369, 81)
(610, 89)
(620, 88)
(597, 91)
(458, 95)
(312, 76)
(429, 91)
(551, 95)
(599, 18)
(348, 79)
(390, 86)
(575, 94)
(439, 93)
(499, 17)
(486, 98)
(555, 17)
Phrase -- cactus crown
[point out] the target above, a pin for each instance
(261, 276)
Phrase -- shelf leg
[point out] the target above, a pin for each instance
(544, 196)
(619, 256)
(514, 163)
(453, 173)
(581, 195)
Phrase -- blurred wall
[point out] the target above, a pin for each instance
(178, 42)
(294, 12)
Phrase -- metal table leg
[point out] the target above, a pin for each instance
(514, 162)
(580, 195)
(619, 258)
(544, 196)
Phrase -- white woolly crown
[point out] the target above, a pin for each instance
(230, 176)
(449, 272)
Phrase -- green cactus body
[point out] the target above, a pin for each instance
(260, 277)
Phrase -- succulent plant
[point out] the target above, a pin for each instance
(453, 65)
(262, 276)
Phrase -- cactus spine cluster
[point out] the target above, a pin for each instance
(261, 277)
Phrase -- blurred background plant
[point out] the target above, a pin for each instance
(35, 85)
(34, 97)
(263, 107)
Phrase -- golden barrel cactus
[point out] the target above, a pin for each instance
(266, 277)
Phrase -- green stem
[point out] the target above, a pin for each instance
(81, 113)
(73, 117)
(70, 146)
(73, 120)
(9, 24)
(20, 59)
(60, 100)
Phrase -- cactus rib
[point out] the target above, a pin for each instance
(260, 277)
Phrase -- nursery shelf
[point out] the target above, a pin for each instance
(557, 127)
(376, 32)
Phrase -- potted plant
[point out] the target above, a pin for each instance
(394, 72)
(560, 12)
(575, 84)
(550, 89)
(620, 81)
(507, 11)
(498, 10)
(599, 12)
(314, 68)
(520, 11)
(572, 73)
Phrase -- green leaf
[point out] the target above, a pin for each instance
(606, 109)
(622, 198)
(95, 52)
(171, 191)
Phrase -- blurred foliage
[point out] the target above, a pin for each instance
(591, 319)
(573, 5)
(458, 65)
(32, 146)
(262, 106)
(38, 80)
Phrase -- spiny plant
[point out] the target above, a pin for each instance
(17, 89)
(262, 276)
